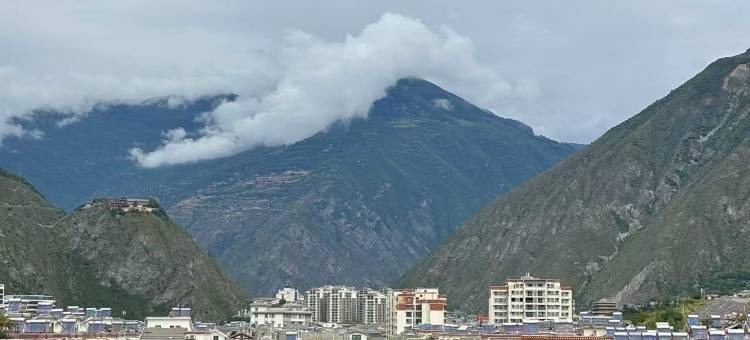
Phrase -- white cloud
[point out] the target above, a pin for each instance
(442, 103)
(321, 82)
(569, 82)
(290, 86)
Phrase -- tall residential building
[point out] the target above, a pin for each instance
(371, 306)
(2, 296)
(332, 304)
(412, 307)
(530, 298)
(288, 294)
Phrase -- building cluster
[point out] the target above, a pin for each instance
(347, 305)
(398, 309)
(525, 308)
(615, 328)
(39, 314)
(124, 204)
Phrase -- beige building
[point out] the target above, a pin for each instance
(530, 298)
(332, 304)
(412, 307)
(372, 306)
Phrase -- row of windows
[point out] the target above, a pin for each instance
(532, 300)
(520, 292)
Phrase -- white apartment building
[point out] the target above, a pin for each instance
(372, 306)
(332, 304)
(2, 296)
(412, 307)
(288, 294)
(287, 315)
(530, 298)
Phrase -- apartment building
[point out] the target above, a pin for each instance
(371, 306)
(287, 315)
(412, 307)
(332, 304)
(530, 298)
(2, 296)
(289, 294)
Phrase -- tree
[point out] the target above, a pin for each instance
(5, 326)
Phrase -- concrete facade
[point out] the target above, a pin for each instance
(530, 298)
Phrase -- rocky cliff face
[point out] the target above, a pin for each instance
(358, 203)
(362, 201)
(658, 206)
(138, 262)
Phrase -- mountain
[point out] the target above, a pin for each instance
(657, 207)
(138, 262)
(358, 203)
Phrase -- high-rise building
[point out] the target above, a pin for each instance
(530, 298)
(412, 307)
(332, 304)
(288, 294)
(371, 306)
(2, 296)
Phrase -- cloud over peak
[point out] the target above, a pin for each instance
(320, 82)
(289, 86)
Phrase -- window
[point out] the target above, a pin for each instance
(216, 337)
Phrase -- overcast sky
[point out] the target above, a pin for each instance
(571, 70)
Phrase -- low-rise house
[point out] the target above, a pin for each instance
(280, 316)
(185, 322)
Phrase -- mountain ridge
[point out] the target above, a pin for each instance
(355, 203)
(135, 262)
(600, 219)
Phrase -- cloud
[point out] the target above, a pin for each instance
(442, 103)
(321, 82)
(71, 95)
(569, 82)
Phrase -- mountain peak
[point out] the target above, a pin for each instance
(656, 207)
(371, 195)
(413, 97)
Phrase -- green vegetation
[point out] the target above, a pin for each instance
(19, 179)
(134, 262)
(727, 283)
(674, 313)
(5, 326)
(87, 291)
